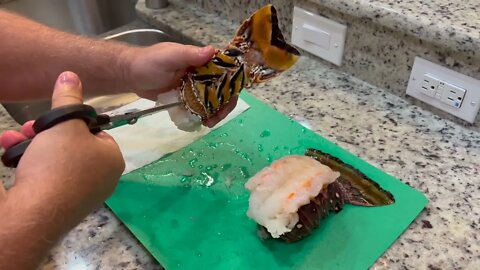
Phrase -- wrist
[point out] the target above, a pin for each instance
(124, 68)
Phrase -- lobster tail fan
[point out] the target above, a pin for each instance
(262, 33)
(357, 188)
(280, 47)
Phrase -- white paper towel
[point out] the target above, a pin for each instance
(155, 136)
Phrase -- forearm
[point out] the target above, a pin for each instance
(33, 218)
(33, 55)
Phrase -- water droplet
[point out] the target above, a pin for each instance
(185, 179)
(304, 130)
(265, 133)
(210, 179)
(224, 135)
(244, 172)
(269, 158)
(245, 156)
(192, 162)
(260, 148)
(276, 148)
(212, 145)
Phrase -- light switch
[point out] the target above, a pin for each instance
(318, 35)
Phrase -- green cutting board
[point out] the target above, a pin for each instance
(189, 207)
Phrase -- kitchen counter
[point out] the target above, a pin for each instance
(431, 154)
(453, 24)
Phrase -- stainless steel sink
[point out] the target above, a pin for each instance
(135, 32)
(88, 17)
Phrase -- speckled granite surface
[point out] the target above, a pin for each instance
(431, 154)
(449, 23)
(454, 24)
(384, 56)
(383, 37)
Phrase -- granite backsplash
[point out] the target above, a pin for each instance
(378, 51)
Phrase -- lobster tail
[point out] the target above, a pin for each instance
(330, 199)
(356, 187)
(257, 53)
(264, 45)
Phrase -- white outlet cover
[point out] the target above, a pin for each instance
(471, 101)
(318, 35)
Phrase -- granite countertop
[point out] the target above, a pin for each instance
(454, 24)
(431, 154)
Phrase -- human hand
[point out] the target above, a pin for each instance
(160, 68)
(66, 163)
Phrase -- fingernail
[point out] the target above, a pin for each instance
(69, 78)
(205, 50)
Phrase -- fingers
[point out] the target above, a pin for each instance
(148, 94)
(10, 138)
(27, 129)
(195, 56)
(105, 137)
(184, 56)
(67, 91)
(115, 151)
(222, 113)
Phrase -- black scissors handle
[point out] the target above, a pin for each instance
(95, 123)
(12, 156)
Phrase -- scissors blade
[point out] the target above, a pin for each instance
(132, 117)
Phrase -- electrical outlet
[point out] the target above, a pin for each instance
(429, 85)
(450, 94)
(445, 89)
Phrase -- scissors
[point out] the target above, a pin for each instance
(95, 122)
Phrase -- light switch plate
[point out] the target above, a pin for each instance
(445, 89)
(318, 35)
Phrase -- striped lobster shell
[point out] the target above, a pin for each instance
(257, 53)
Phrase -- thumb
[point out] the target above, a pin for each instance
(67, 91)
(187, 56)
